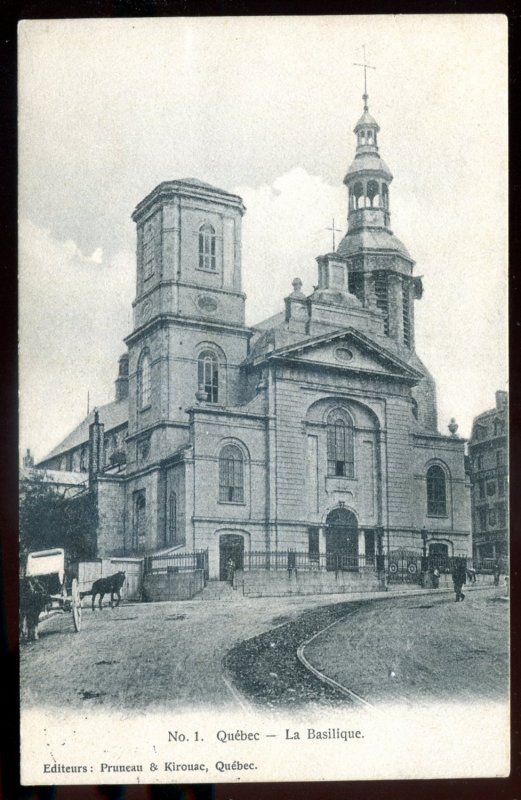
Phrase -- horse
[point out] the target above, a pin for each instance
(33, 600)
(110, 585)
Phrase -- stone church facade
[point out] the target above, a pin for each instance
(314, 430)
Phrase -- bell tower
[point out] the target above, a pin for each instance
(380, 268)
(189, 335)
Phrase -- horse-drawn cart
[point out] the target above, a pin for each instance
(46, 577)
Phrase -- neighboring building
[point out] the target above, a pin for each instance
(314, 430)
(488, 452)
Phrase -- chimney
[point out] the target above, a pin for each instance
(122, 379)
(28, 460)
(96, 447)
(501, 400)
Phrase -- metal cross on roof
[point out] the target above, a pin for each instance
(334, 230)
(366, 66)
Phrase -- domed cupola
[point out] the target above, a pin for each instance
(368, 178)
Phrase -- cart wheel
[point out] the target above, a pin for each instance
(76, 604)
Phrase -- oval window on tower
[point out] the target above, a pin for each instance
(207, 304)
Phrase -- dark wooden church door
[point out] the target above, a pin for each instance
(231, 545)
(341, 540)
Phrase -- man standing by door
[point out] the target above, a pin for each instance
(230, 570)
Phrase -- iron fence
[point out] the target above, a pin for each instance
(179, 562)
(304, 561)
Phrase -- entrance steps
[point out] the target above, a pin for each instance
(218, 591)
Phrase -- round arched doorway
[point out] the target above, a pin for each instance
(341, 540)
(231, 546)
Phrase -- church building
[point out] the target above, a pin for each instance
(314, 431)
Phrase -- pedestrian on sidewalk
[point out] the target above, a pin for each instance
(497, 572)
(436, 578)
(459, 577)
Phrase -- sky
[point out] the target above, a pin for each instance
(265, 108)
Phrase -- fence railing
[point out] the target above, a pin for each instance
(304, 561)
(180, 562)
(489, 564)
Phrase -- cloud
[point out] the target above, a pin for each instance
(284, 230)
(461, 321)
(74, 312)
(75, 309)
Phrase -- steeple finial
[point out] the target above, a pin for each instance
(366, 66)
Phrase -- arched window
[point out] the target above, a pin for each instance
(385, 195)
(340, 450)
(436, 492)
(207, 247)
(231, 475)
(84, 458)
(140, 521)
(208, 375)
(148, 251)
(144, 383)
(414, 407)
(372, 194)
(109, 449)
(358, 191)
(172, 518)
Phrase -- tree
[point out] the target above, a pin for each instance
(49, 518)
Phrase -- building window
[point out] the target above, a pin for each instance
(313, 544)
(501, 486)
(207, 247)
(499, 458)
(501, 517)
(340, 449)
(140, 527)
(483, 519)
(491, 488)
(144, 380)
(436, 492)
(84, 459)
(208, 375)
(172, 518)
(479, 462)
(406, 315)
(481, 486)
(414, 405)
(148, 251)
(491, 517)
(481, 431)
(499, 427)
(231, 475)
(382, 297)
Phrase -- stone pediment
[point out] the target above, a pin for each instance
(348, 350)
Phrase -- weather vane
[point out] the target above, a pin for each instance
(366, 66)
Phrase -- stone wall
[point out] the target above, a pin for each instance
(111, 516)
(275, 584)
(171, 585)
